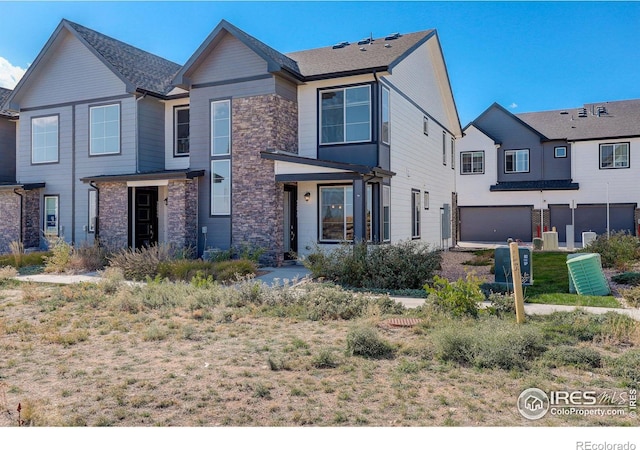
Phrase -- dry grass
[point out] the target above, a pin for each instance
(76, 355)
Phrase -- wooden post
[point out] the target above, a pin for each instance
(516, 275)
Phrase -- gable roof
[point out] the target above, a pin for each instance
(495, 106)
(4, 96)
(619, 119)
(138, 69)
(276, 61)
(380, 54)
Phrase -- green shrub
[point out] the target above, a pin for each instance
(460, 298)
(626, 366)
(139, 264)
(249, 252)
(629, 278)
(325, 359)
(620, 250)
(490, 343)
(502, 305)
(185, 269)
(234, 269)
(365, 341)
(404, 265)
(60, 257)
(580, 357)
(26, 259)
(572, 326)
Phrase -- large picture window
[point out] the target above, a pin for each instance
(220, 187)
(516, 161)
(345, 115)
(614, 156)
(471, 163)
(51, 219)
(104, 130)
(220, 128)
(336, 213)
(44, 139)
(181, 131)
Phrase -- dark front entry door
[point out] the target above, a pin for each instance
(146, 216)
(290, 222)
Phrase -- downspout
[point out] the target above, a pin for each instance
(97, 224)
(138, 134)
(15, 191)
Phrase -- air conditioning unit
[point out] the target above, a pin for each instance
(588, 237)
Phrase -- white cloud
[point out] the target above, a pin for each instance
(513, 105)
(9, 74)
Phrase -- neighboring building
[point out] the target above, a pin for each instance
(520, 175)
(243, 145)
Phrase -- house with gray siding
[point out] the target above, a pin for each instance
(523, 174)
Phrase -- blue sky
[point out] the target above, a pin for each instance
(527, 56)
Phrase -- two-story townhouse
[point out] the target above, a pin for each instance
(323, 146)
(92, 136)
(523, 174)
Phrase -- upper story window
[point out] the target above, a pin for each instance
(453, 154)
(614, 156)
(425, 125)
(415, 214)
(471, 162)
(516, 161)
(181, 131)
(44, 139)
(444, 148)
(104, 129)
(220, 128)
(386, 116)
(560, 152)
(345, 115)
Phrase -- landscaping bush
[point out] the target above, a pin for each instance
(620, 250)
(365, 341)
(502, 305)
(87, 258)
(628, 278)
(626, 366)
(580, 357)
(140, 264)
(233, 270)
(570, 327)
(460, 298)
(632, 296)
(404, 265)
(185, 269)
(60, 257)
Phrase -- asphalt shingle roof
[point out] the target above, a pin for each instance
(4, 95)
(142, 69)
(379, 53)
(620, 119)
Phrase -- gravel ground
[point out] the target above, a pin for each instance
(452, 267)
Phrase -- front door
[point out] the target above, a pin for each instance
(146, 216)
(290, 222)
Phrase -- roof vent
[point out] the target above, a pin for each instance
(365, 41)
(601, 110)
(362, 49)
(582, 112)
(341, 44)
(564, 113)
(387, 45)
(392, 36)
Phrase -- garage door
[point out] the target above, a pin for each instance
(495, 223)
(593, 218)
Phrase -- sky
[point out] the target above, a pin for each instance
(527, 56)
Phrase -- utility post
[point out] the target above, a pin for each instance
(516, 275)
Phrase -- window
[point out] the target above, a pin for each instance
(444, 148)
(614, 156)
(472, 162)
(560, 152)
(425, 125)
(386, 213)
(93, 211)
(104, 130)
(51, 215)
(453, 154)
(426, 200)
(220, 187)
(181, 131)
(385, 115)
(220, 128)
(44, 139)
(516, 161)
(345, 115)
(336, 213)
(415, 213)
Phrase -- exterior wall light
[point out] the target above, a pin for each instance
(307, 196)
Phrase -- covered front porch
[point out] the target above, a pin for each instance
(328, 202)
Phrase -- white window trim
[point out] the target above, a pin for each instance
(91, 110)
(614, 145)
(228, 206)
(515, 153)
(471, 155)
(57, 214)
(33, 161)
(212, 119)
(555, 151)
(176, 109)
(344, 116)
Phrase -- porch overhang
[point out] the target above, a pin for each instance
(146, 176)
(23, 186)
(540, 185)
(291, 167)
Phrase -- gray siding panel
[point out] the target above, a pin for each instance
(286, 89)
(495, 224)
(150, 135)
(556, 168)
(230, 59)
(7, 150)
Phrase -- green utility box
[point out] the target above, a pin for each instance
(503, 266)
(572, 288)
(587, 275)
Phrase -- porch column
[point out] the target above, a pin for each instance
(359, 210)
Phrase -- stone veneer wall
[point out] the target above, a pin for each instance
(260, 123)
(31, 219)
(113, 213)
(10, 219)
(182, 213)
(535, 222)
